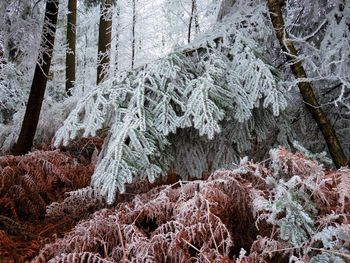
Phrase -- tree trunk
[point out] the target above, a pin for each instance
(104, 40)
(225, 8)
(196, 18)
(193, 16)
(133, 34)
(71, 39)
(305, 87)
(37, 91)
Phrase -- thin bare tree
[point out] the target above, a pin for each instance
(71, 41)
(305, 87)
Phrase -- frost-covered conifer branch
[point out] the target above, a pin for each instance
(144, 106)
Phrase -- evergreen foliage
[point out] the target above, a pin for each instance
(225, 82)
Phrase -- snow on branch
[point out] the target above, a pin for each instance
(142, 107)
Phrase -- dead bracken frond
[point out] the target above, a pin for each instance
(181, 221)
(29, 183)
(280, 209)
(342, 185)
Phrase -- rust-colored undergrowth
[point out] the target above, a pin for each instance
(31, 182)
(211, 220)
(208, 220)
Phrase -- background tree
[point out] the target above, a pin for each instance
(71, 41)
(104, 39)
(20, 32)
(193, 17)
(225, 8)
(37, 91)
(305, 88)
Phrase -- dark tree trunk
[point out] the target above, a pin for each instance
(71, 39)
(104, 40)
(305, 87)
(193, 16)
(37, 91)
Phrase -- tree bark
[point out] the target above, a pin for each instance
(225, 9)
(193, 16)
(37, 91)
(104, 40)
(71, 40)
(305, 87)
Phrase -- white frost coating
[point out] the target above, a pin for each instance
(223, 84)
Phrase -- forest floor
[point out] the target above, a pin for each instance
(30, 183)
(209, 220)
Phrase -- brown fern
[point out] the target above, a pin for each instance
(28, 184)
(180, 221)
(6, 245)
(204, 221)
(339, 189)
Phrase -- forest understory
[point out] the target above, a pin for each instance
(220, 218)
(28, 184)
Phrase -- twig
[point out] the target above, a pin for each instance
(211, 230)
(188, 243)
(272, 232)
(138, 216)
(282, 249)
(121, 241)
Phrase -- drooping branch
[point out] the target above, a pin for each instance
(305, 87)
